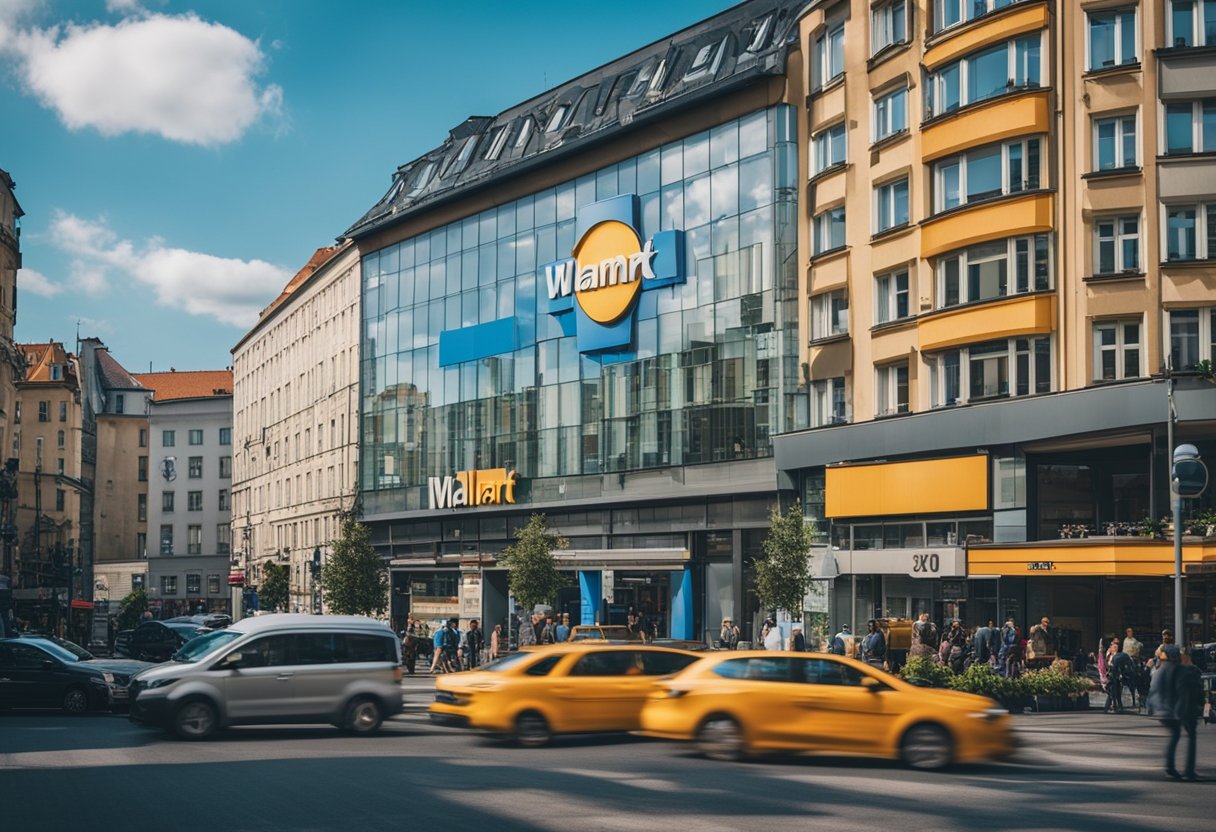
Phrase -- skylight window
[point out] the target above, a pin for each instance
(422, 179)
(760, 36)
(460, 161)
(707, 61)
(657, 80)
(498, 142)
(643, 80)
(558, 118)
(525, 133)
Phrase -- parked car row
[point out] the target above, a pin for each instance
(49, 672)
(156, 641)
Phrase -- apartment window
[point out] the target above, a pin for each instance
(947, 13)
(143, 438)
(195, 437)
(166, 540)
(890, 114)
(828, 403)
(1015, 64)
(213, 584)
(829, 54)
(1117, 245)
(891, 297)
(830, 148)
(142, 473)
(1112, 38)
(119, 402)
(1191, 23)
(63, 411)
(892, 389)
(16, 413)
(829, 230)
(194, 584)
(994, 270)
(1115, 142)
(225, 436)
(194, 540)
(141, 508)
(888, 25)
(59, 466)
(168, 584)
(891, 205)
(194, 501)
(1192, 337)
(60, 439)
(225, 467)
(60, 499)
(987, 172)
(1190, 127)
(195, 467)
(829, 315)
(1117, 350)
(224, 505)
(992, 370)
(1190, 232)
(168, 438)
(44, 411)
(166, 501)
(223, 539)
(141, 547)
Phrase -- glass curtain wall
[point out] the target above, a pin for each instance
(712, 373)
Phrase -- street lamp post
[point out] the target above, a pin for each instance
(1188, 479)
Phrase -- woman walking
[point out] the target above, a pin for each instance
(495, 638)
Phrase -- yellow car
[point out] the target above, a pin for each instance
(570, 688)
(734, 704)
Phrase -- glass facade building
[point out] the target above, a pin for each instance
(712, 371)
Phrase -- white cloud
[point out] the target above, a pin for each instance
(92, 326)
(36, 283)
(123, 6)
(179, 77)
(230, 290)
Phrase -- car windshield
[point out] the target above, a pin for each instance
(75, 649)
(199, 648)
(58, 651)
(508, 662)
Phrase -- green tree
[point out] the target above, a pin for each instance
(272, 594)
(131, 609)
(783, 573)
(531, 568)
(355, 580)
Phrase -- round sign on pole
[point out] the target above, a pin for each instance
(1189, 477)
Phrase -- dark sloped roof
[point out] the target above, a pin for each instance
(113, 375)
(742, 44)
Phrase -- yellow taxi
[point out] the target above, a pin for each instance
(734, 704)
(570, 688)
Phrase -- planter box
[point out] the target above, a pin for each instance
(1061, 703)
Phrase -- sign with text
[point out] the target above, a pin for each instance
(937, 562)
(493, 486)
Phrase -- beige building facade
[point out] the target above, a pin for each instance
(296, 423)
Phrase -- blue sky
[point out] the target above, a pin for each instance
(178, 161)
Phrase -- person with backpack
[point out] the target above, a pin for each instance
(1120, 673)
(839, 645)
(449, 642)
(437, 643)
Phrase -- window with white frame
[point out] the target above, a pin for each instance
(891, 297)
(947, 13)
(828, 230)
(829, 314)
(987, 172)
(166, 540)
(888, 25)
(992, 370)
(1115, 142)
(1015, 64)
(891, 205)
(1112, 38)
(829, 404)
(1117, 350)
(829, 148)
(1192, 337)
(1190, 232)
(1117, 245)
(1191, 23)
(829, 54)
(891, 389)
(194, 540)
(994, 270)
(1190, 127)
(890, 114)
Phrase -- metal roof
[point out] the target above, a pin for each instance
(741, 45)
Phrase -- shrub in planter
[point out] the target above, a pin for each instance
(981, 679)
(1053, 689)
(927, 672)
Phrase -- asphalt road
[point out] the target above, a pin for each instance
(1074, 772)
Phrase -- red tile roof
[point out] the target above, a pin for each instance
(40, 357)
(189, 384)
(319, 258)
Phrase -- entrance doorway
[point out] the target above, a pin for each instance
(646, 593)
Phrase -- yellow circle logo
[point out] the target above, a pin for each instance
(606, 279)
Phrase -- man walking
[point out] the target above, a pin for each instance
(563, 629)
(1120, 673)
(474, 641)
(1172, 700)
(450, 645)
(924, 638)
(797, 640)
(839, 645)
(1132, 647)
(981, 644)
(874, 645)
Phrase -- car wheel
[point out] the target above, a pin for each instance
(76, 701)
(363, 716)
(927, 747)
(721, 738)
(532, 730)
(195, 720)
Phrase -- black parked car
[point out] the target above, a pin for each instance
(210, 620)
(48, 672)
(156, 641)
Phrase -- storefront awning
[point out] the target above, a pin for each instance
(1108, 556)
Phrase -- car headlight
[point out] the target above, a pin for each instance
(160, 683)
(989, 714)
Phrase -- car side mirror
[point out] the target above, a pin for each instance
(230, 662)
(871, 684)
(48, 664)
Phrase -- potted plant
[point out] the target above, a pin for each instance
(926, 672)
(1152, 528)
(982, 680)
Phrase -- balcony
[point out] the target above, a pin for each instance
(1028, 213)
(992, 28)
(986, 122)
(987, 321)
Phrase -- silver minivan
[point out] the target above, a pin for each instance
(343, 670)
